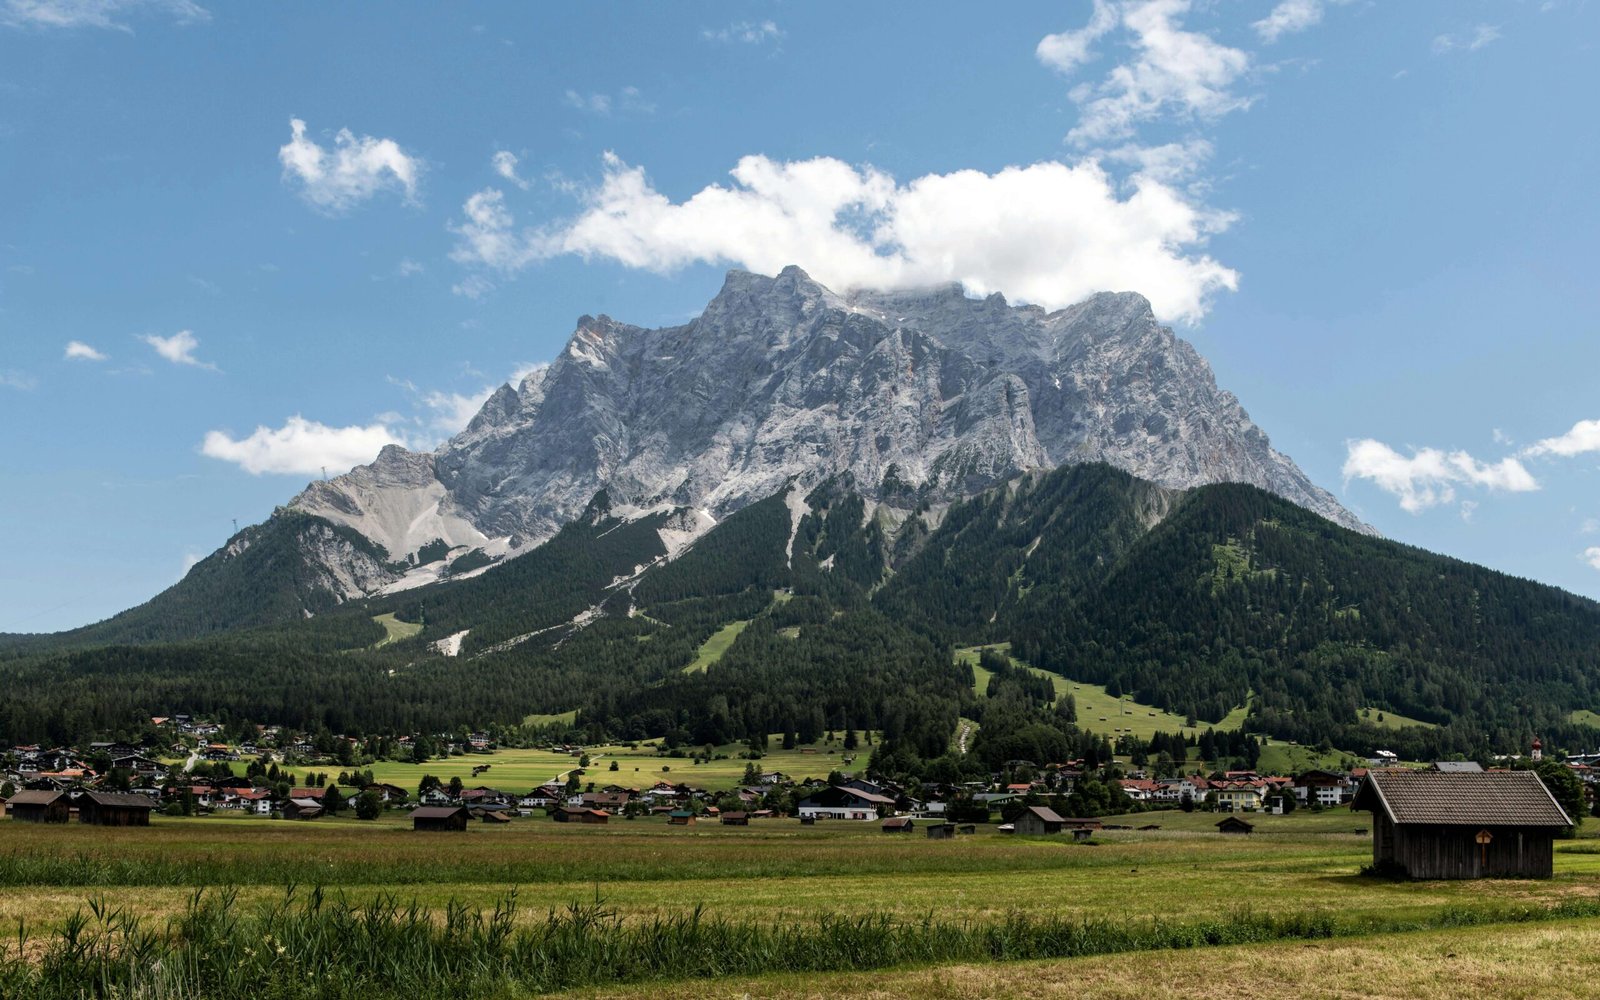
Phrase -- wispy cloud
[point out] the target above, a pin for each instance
(77, 350)
(1582, 438)
(112, 14)
(1591, 555)
(1470, 41)
(628, 100)
(178, 348)
(1287, 18)
(1428, 476)
(505, 164)
(12, 378)
(355, 168)
(744, 32)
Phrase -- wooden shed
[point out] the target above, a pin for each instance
(39, 807)
(439, 818)
(1037, 821)
(898, 824)
(114, 809)
(680, 817)
(1433, 824)
(735, 818)
(1234, 824)
(302, 809)
(941, 831)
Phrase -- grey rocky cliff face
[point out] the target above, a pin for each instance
(783, 379)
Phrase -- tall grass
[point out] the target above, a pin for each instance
(313, 945)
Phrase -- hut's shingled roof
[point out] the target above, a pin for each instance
(1442, 798)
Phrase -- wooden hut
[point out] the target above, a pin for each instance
(898, 824)
(1234, 824)
(1037, 821)
(941, 831)
(39, 807)
(1433, 824)
(735, 818)
(302, 809)
(439, 818)
(114, 809)
(568, 814)
(680, 817)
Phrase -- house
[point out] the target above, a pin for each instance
(1038, 821)
(439, 818)
(1323, 788)
(255, 800)
(1236, 796)
(302, 809)
(492, 815)
(680, 817)
(114, 809)
(1442, 824)
(39, 807)
(898, 824)
(842, 803)
(389, 794)
(1234, 824)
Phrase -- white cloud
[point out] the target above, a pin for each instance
(300, 447)
(521, 372)
(1591, 555)
(1429, 476)
(1479, 37)
(1065, 51)
(1049, 233)
(745, 32)
(505, 164)
(95, 13)
(1582, 438)
(1468, 508)
(1589, 526)
(1175, 73)
(598, 104)
(1501, 437)
(178, 348)
(11, 378)
(1288, 18)
(356, 168)
(77, 350)
(408, 268)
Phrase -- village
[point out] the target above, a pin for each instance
(200, 774)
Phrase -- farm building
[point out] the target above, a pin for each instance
(302, 809)
(1234, 824)
(842, 803)
(1038, 821)
(680, 817)
(38, 807)
(1442, 824)
(898, 824)
(565, 814)
(114, 809)
(941, 831)
(439, 818)
(734, 818)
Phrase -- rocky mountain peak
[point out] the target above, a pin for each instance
(784, 379)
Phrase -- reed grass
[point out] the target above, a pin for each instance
(313, 944)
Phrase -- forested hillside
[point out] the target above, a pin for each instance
(834, 615)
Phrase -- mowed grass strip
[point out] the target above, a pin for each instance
(1506, 962)
(712, 649)
(394, 629)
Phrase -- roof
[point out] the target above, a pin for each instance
(34, 798)
(120, 799)
(895, 822)
(305, 803)
(1455, 798)
(1458, 766)
(435, 812)
(1046, 813)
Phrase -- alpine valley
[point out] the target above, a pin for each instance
(790, 514)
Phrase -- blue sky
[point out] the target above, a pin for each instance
(1377, 220)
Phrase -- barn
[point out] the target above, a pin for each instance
(1452, 824)
(1038, 821)
(39, 807)
(439, 818)
(114, 809)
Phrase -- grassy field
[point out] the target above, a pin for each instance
(712, 649)
(1508, 962)
(395, 629)
(1391, 720)
(1584, 717)
(1098, 711)
(520, 770)
(1298, 871)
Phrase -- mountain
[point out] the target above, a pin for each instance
(926, 396)
(833, 611)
